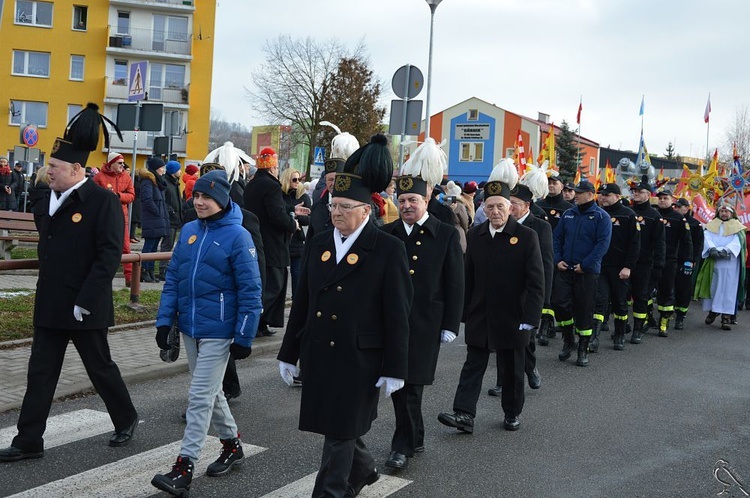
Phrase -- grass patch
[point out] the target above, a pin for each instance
(17, 310)
(23, 253)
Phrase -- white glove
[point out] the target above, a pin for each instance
(288, 372)
(391, 385)
(78, 313)
(447, 336)
(525, 326)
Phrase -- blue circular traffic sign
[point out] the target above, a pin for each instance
(30, 136)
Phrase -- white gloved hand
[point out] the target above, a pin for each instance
(79, 312)
(525, 326)
(391, 385)
(288, 372)
(447, 336)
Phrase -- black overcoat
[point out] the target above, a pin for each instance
(544, 231)
(504, 285)
(79, 251)
(349, 325)
(437, 274)
(264, 199)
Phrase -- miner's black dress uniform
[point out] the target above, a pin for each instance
(349, 325)
(684, 282)
(504, 289)
(80, 247)
(437, 275)
(623, 252)
(649, 266)
(679, 250)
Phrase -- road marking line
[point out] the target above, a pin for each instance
(302, 488)
(69, 427)
(129, 477)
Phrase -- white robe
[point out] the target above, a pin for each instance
(726, 275)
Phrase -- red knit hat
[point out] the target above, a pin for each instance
(191, 169)
(267, 159)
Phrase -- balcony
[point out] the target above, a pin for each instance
(116, 91)
(163, 5)
(144, 144)
(163, 44)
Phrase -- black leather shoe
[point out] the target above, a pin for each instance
(535, 379)
(511, 424)
(265, 332)
(396, 460)
(353, 490)
(461, 421)
(495, 391)
(124, 436)
(419, 449)
(13, 454)
(711, 318)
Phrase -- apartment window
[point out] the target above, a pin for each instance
(592, 164)
(80, 14)
(165, 76)
(472, 152)
(73, 109)
(31, 63)
(473, 114)
(76, 67)
(34, 13)
(28, 112)
(169, 28)
(121, 73)
(509, 152)
(123, 23)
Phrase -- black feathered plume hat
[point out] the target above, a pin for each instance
(82, 136)
(369, 169)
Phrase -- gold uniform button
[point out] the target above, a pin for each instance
(332, 344)
(339, 288)
(411, 272)
(421, 231)
(414, 257)
(318, 314)
(334, 317)
(419, 242)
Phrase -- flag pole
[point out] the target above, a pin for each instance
(578, 147)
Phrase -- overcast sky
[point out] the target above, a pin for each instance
(526, 56)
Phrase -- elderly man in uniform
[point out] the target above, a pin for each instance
(349, 324)
(720, 277)
(504, 295)
(437, 274)
(81, 227)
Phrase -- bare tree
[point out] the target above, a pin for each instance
(221, 131)
(738, 135)
(292, 85)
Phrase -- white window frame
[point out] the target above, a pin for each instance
(121, 81)
(29, 19)
(26, 64)
(592, 164)
(83, 68)
(85, 10)
(155, 88)
(20, 107)
(73, 109)
(117, 28)
(473, 115)
(470, 149)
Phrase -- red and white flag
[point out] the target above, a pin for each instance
(580, 108)
(707, 112)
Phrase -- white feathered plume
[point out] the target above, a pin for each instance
(505, 171)
(536, 179)
(428, 161)
(343, 144)
(230, 157)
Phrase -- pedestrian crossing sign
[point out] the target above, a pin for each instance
(137, 83)
(319, 156)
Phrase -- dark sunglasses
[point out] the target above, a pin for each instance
(295, 180)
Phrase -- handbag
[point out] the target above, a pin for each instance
(173, 340)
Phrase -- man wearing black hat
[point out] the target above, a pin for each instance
(684, 284)
(349, 324)
(617, 265)
(320, 216)
(504, 295)
(568, 192)
(678, 256)
(581, 240)
(81, 227)
(554, 204)
(651, 258)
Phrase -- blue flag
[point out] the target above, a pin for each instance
(640, 113)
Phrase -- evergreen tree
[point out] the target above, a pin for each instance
(568, 153)
(670, 154)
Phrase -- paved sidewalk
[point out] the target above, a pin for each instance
(134, 351)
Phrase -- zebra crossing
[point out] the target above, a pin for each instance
(131, 476)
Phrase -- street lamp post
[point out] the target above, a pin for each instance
(433, 6)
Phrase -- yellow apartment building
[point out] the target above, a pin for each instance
(55, 56)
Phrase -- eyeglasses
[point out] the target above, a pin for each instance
(345, 208)
(295, 180)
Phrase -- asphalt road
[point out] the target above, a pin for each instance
(652, 420)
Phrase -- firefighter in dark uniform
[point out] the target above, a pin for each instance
(684, 284)
(437, 274)
(651, 259)
(617, 265)
(678, 256)
(349, 324)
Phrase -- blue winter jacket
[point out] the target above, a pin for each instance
(213, 282)
(583, 238)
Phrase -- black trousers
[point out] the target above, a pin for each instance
(640, 290)
(665, 288)
(344, 460)
(574, 298)
(409, 433)
(231, 383)
(45, 364)
(529, 353)
(509, 361)
(274, 297)
(611, 289)
(684, 285)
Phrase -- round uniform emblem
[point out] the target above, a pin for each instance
(352, 259)
(614, 219)
(325, 256)
(513, 241)
(552, 212)
(192, 239)
(76, 217)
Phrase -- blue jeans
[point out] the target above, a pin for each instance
(207, 359)
(149, 245)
